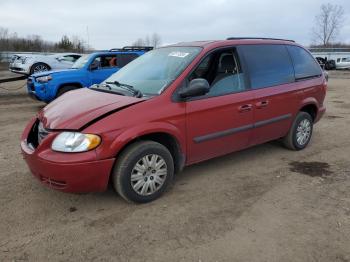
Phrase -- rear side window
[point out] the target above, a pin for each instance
(268, 65)
(305, 65)
(124, 59)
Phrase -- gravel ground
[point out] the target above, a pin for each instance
(261, 204)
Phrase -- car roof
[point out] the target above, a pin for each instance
(209, 44)
(117, 52)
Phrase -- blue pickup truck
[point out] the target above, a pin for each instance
(86, 71)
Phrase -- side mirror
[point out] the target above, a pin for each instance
(59, 59)
(197, 87)
(94, 65)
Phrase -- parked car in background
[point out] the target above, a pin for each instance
(86, 71)
(172, 107)
(343, 63)
(326, 64)
(30, 64)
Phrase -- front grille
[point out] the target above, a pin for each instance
(53, 183)
(36, 134)
(30, 84)
(42, 132)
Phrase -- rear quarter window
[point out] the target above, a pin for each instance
(305, 65)
(268, 65)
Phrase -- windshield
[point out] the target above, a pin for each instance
(152, 72)
(81, 62)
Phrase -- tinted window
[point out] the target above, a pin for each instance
(304, 64)
(105, 61)
(268, 65)
(124, 59)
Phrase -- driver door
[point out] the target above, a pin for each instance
(102, 67)
(221, 121)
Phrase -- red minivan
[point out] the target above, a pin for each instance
(172, 107)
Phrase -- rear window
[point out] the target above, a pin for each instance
(268, 65)
(305, 65)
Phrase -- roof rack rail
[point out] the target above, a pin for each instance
(258, 38)
(133, 48)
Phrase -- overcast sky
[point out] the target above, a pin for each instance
(118, 23)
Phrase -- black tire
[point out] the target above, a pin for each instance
(65, 89)
(290, 140)
(35, 68)
(124, 166)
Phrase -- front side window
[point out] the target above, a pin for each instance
(223, 72)
(305, 65)
(105, 61)
(152, 72)
(268, 65)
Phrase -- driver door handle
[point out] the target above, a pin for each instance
(245, 108)
(262, 104)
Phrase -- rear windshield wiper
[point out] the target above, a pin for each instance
(136, 93)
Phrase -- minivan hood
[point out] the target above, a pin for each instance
(76, 109)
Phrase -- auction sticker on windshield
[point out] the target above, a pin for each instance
(179, 54)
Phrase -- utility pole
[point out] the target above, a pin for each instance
(88, 37)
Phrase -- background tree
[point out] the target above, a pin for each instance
(65, 44)
(154, 40)
(328, 24)
(35, 43)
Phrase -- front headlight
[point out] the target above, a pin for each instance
(44, 79)
(75, 142)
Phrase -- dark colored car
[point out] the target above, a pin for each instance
(172, 107)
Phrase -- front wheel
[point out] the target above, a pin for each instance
(143, 171)
(39, 67)
(300, 133)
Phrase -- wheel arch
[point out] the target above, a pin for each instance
(165, 136)
(310, 108)
(38, 62)
(75, 84)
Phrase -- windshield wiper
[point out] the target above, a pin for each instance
(136, 93)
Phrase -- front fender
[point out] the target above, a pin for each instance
(128, 135)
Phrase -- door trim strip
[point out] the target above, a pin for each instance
(235, 130)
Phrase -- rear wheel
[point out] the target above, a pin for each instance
(65, 89)
(39, 67)
(143, 171)
(300, 133)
